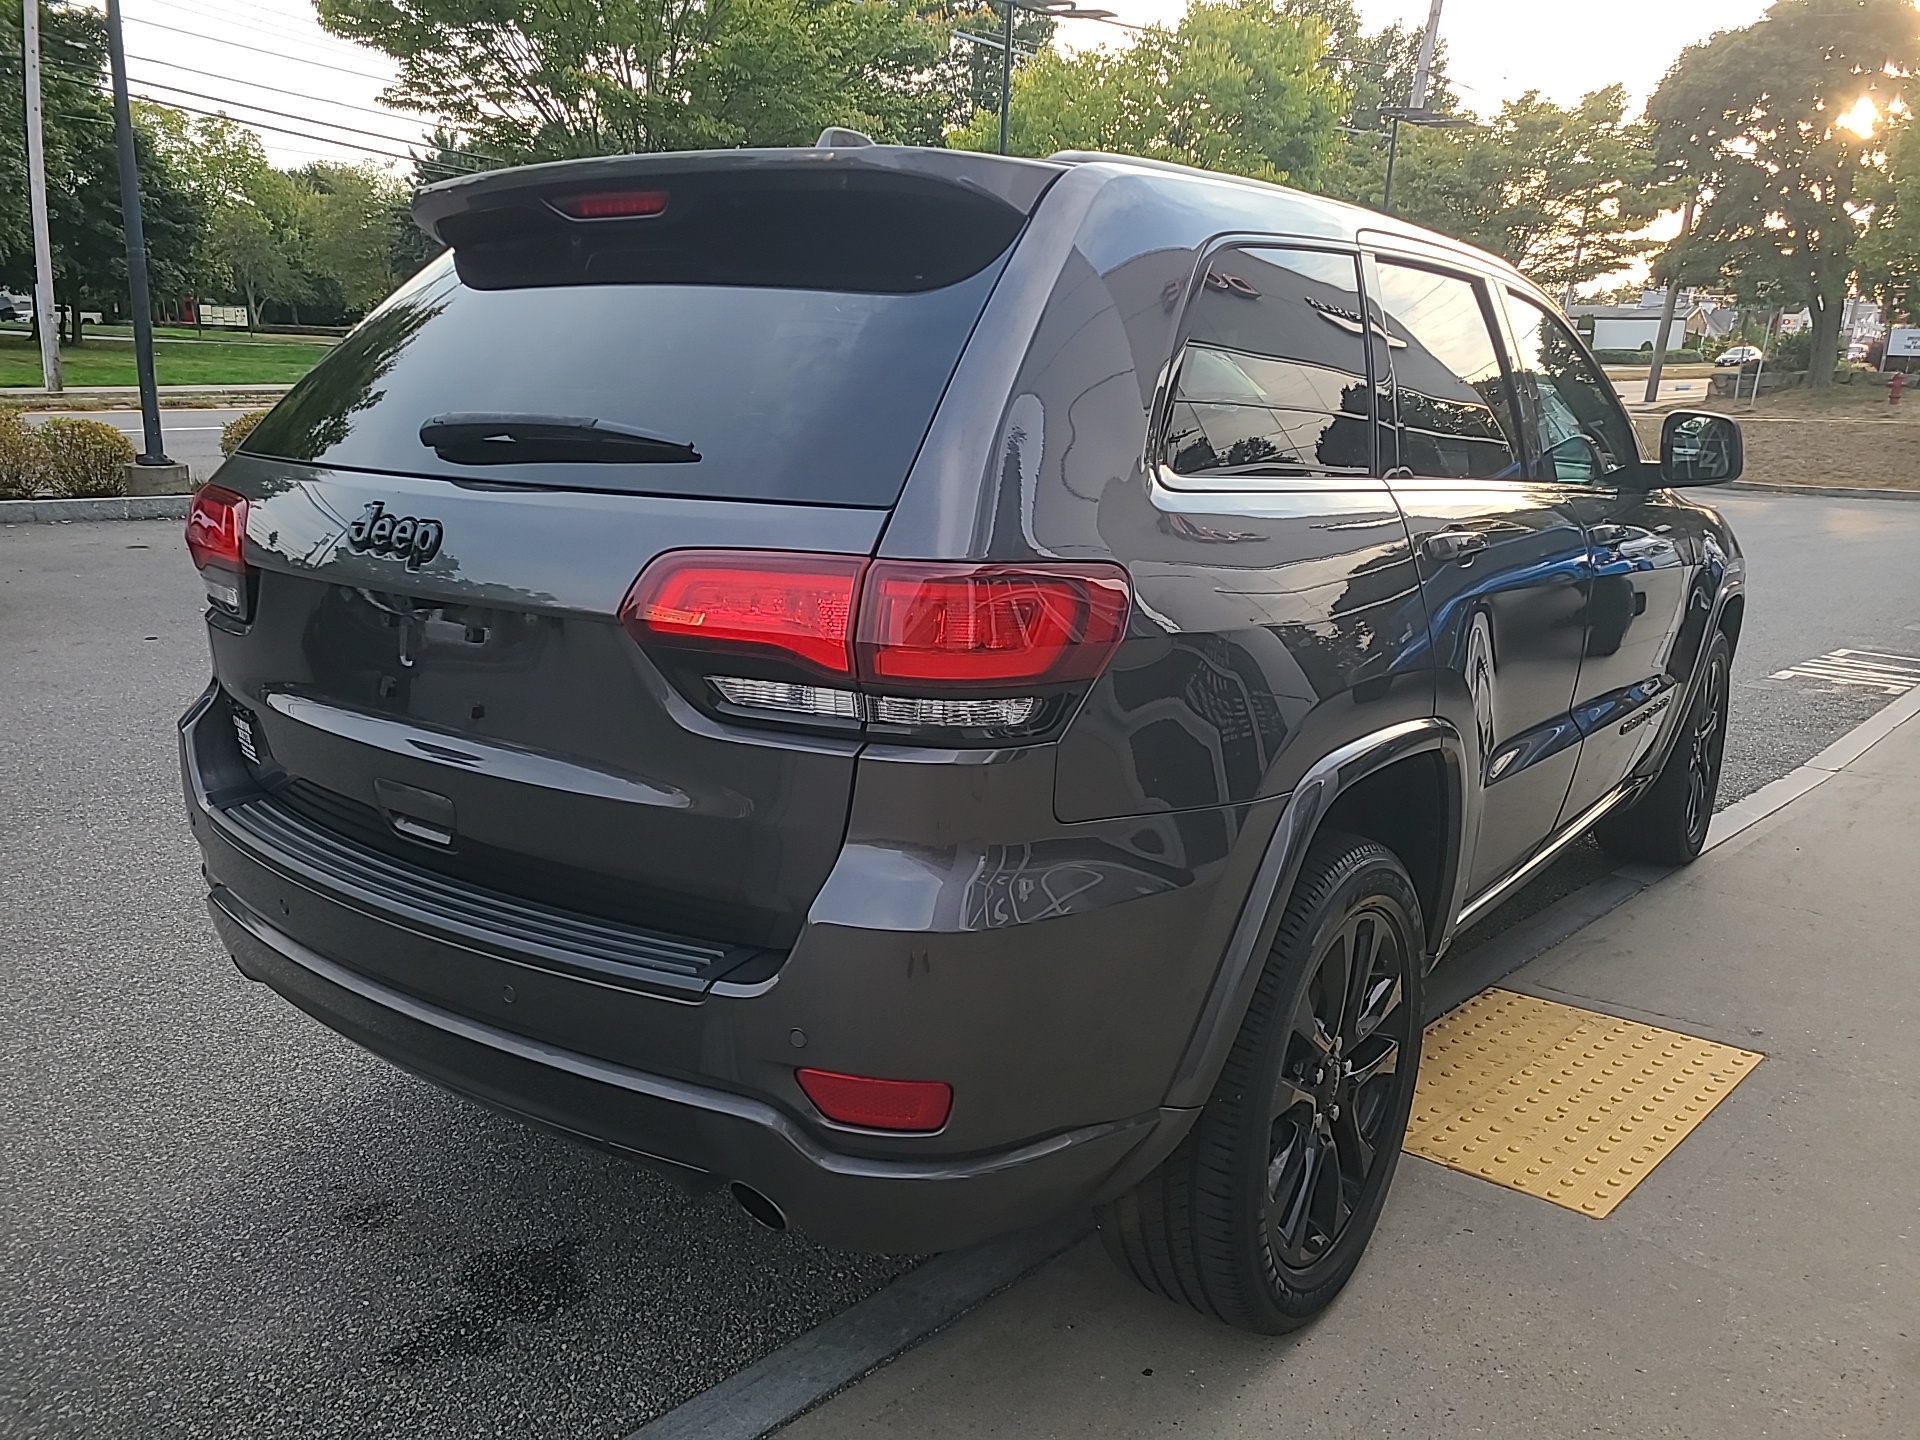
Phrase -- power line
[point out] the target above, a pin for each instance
(293, 95)
(257, 50)
(253, 22)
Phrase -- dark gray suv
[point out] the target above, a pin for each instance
(935, 690)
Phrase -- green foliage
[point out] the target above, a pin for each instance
(530, 79)
(1032, 32)
(1562, 193)
(83, 177)
(1791, 350)
(237, 429)
(23, 456)
(1889, 253)
(85, 457)
(1236, 87)
(1754, 117)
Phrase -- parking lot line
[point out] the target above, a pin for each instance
(1569, 1105)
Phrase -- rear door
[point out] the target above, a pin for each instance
(1502, 557)
(447, 514)
(1583, 443)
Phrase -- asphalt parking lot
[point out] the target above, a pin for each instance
(219, 1219)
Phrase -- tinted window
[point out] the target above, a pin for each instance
(787, 394)
(1579, 433)
(1273, 377)
(1456, 418)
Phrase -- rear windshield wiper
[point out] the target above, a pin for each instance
(490, 439)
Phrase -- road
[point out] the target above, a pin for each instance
(218, 1218)
(191, 436)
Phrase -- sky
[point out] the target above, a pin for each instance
(257, 56)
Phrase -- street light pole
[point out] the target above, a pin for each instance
(138, 296)
(43, 310)
(1416, 109)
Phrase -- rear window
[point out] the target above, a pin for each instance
(788, 390)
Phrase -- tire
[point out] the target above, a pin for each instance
(1668, 824)
(1244, 1221)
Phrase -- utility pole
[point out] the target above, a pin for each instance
(138, 296)
(1667, 306)
(1006, 75)
(37, 201)
(1415, 110)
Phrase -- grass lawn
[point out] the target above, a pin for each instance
(107, 361)
(1844, 435)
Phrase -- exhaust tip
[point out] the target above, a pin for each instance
(758, 1206)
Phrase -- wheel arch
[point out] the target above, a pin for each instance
(1359, 787)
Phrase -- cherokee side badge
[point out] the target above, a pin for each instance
(411, 538)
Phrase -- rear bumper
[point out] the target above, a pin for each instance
(846, 1200)
(1058, 1035)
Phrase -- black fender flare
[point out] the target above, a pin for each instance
(1306, 807)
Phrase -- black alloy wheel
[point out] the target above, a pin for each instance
(1668, 824)
(1261, 1213)
(1335, 1090)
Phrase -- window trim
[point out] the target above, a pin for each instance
(1166, 393)
(1493, 315)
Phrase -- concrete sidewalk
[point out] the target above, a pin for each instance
(1763, 1281)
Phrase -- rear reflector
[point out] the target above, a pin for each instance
(753, 602)
(612, 204)
(966, 626)
(878, 1104)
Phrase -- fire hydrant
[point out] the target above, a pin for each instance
(1896, 382)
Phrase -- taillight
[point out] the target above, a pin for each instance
(878, 1104)
(216, 539)
(750, 602)
(973, 626)
(893, 646)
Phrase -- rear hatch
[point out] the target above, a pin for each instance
(424, 656)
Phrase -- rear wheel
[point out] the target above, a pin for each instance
(1260, 1215)
(1668, 825)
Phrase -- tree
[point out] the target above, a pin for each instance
(530, 79)
(1889, 253)
(83, 178)
(1032, 33)
(1777, 124)
(1564, 194)
(1235, 87)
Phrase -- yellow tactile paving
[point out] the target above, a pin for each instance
(1569, 1105)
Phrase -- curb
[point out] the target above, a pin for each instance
(826, 1360)
(1844, 492)
(127, 397)
(110, 507)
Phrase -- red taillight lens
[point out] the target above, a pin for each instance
(973, 626)
(612, 204)
(879, 1104)
(752, 601)
(217, 528)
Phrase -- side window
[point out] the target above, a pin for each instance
(1272, 379)
(1457, 418)
(1579, 433)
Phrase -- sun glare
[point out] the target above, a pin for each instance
(1862, 119)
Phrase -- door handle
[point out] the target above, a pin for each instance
(1608, 534)
(1453, 545)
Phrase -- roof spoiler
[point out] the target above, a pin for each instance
(1014, 182)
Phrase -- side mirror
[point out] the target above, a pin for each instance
(1698, 447)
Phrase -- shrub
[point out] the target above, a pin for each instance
(85, 457)
(234, 431)
(1790, 350)
(23, 456)
(1645, 357)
